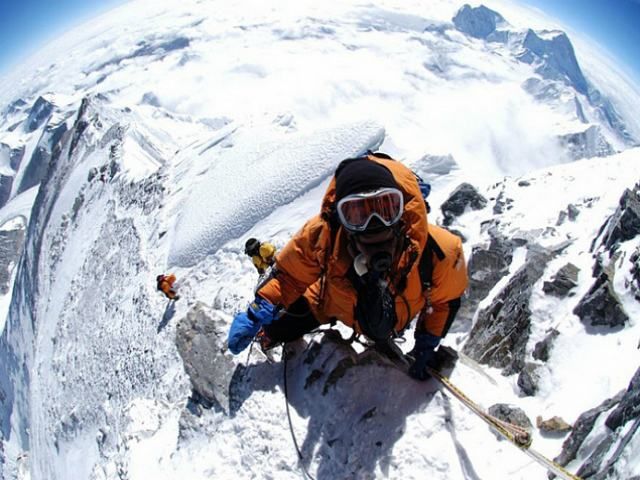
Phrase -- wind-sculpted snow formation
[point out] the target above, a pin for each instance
(127, 176)
(244, 186)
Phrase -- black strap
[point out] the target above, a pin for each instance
(426, 261)
(379, 155)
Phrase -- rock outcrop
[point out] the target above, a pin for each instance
(501, 332)
(565, 280)
(478, 22)
(528, 379)
(601, 305)
(485, 269)
(553, 57)
(571, 212)
(635, 273)
(624, 224)
(463, 197)
(553, 425)
(39, 114)
(582, 428)
(10, 159)
(542, 349)
(602, 462)
(200, 338)
(510, 414)
(10, 247)
(587, 144)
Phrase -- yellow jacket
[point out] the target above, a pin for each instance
(265, 259)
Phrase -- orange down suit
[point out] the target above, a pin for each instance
(315, 262)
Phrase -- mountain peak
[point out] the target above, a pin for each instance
(553, 55)
(479, 22)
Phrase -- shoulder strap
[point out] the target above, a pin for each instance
(426, 261)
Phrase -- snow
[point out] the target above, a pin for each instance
(14, 215)
(230, 124)
(267, 176)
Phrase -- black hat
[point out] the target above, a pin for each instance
(252, 247)
(357, 175)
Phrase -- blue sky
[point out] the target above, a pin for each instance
(26, 25)
(613, 24)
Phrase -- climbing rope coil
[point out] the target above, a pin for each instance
(515, 434)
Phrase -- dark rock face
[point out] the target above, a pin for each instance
(465, 195)
(572, 212)
(200, 338)
(582, 428)
(601, 306)
(502, 204)
(499, 337)
(528, 379)
(478, 22)
(554, 58)
(10, 248)
(563, 281)
(542, 349)
(39, 114)
(624, 224)
(601, 464)
(629, 407)
(16, 106)
(588, 144)
(39, 162)
(511, 414)
(635, 273)
(6, 181)
(486, 267)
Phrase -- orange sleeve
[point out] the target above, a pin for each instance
(438, 321)
(298, 265)
(449, 278)
(449, 282)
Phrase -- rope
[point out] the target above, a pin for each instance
(293, 435)
(517, 435)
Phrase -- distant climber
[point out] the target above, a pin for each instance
(165, 285)
(369, 260)
(262, 254)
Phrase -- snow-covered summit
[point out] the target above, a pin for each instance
(554, 57)
(479, 22)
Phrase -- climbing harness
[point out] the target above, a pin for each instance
(515, 434)
(293, 435)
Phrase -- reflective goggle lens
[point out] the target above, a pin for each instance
(356, 211)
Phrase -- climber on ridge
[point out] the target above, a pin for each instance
(165, 285)
(262, 254)
(370, 260)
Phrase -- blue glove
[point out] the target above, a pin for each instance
(245, 325)
(242, 331)
(424, 354)
(262, 311)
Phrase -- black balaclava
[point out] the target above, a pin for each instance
(375, 308)
(358, 175)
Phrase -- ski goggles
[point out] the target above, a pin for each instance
(357, 210)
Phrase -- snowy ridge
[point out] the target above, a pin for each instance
(205, 222)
